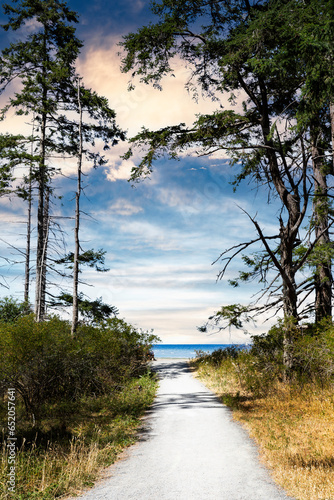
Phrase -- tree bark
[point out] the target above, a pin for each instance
(40, 262)
(288, 233)
(77, 225)
(42, 228)
(323, 274)
(27, 263)
(331, 112)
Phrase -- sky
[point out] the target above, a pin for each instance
(163, 234)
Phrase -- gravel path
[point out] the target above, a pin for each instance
(190, 450)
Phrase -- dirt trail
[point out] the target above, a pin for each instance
(190, 450)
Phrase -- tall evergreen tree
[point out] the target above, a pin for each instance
(311, 47)
(44, 63)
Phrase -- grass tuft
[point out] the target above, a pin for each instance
(51, 467)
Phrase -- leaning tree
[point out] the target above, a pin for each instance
(231, 47)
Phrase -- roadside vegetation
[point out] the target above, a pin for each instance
(78, 399)
(292, 422)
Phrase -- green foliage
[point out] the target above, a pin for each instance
(51, 370)
(259, 368)
(94, 312)
(12, 152)
(89, 258)
(38, 73)
(53, 461)
(314, 354)
(232, 315)
(218, 356)
(278, 56)
(228, 46)
(11, 309)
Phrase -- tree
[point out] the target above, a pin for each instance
(94, 312)
(13, 152)
(80, 137)
(312, 48)
(11, 309)
(44, 63)
(75, 303)
(230, 47)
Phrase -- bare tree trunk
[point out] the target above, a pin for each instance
(288, 233)
(289, 299)
(42, 213)
(40, 261)
(27, 263)
(46, 227)
(77, 225)
(331, 112)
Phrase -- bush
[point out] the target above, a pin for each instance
(11, 309)
(219, 355)
(260, 368)
(314, 355)
(51, 370)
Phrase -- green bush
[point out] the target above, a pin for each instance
(11, 309)
(267, 352)
(259, 369)
(314, 355)
(219, 355)
(51, 370)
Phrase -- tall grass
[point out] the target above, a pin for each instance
(48, 468)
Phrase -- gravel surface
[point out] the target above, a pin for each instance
(190, 449)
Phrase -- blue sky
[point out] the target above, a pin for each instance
(161, 236)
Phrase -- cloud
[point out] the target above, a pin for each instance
(144, 106)
(137, 5)
(120, 172)
(124, 207)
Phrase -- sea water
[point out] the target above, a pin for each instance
(185, 350)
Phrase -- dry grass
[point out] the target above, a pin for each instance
(61, 470)
(62, 467)
(293, 428)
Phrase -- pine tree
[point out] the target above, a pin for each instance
(248, 48)
(44, 63)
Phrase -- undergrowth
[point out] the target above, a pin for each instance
(52, 462)
(78, 401)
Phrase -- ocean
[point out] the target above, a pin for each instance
(184, 350)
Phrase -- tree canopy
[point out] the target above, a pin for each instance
(268, 55)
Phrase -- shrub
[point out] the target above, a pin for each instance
(219, 355)
(51, 370)
(260, 368)
(314, 355)
(11, 309)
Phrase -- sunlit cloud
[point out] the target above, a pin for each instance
(119, 172)
(143, 106)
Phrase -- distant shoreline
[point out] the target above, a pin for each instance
(187, 351)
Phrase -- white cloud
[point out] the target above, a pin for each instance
(143, 106)
(119, 172)
(124, 207)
